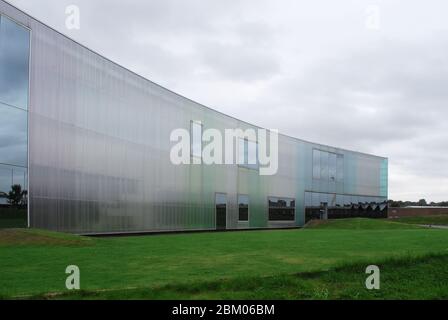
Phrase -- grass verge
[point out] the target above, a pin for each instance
(424, 220)
(406, 278)
(33, 262)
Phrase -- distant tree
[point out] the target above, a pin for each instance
(17, 196)
(395, 204)
(422, 203)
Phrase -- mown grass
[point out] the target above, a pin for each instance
(405, 278)
(33, 237)
(358, 224)
(424, 220)
(224, 265)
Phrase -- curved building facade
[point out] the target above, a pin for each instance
(90, 142)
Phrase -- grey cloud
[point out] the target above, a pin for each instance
(239, 62)
(369, 96)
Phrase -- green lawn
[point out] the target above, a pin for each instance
(359, 224)
(428, 220)
(323, 261)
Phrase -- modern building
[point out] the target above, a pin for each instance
(90, 142)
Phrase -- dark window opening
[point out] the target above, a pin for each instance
(281, 209)
(243, 208)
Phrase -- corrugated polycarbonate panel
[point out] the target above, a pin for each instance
(99, 139)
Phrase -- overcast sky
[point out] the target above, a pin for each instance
(365, 75)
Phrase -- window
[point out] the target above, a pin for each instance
(340, 168)
(324, 166)
(281, 209)
(315, 199)
(248, 153)
(221, 211)
(196, 139)
(13, 136)
(14, 81)
(328, 166)
(243, 208)
(332, 163)
(14, 61)
(316, 164)
(308, 199)
(339, 200)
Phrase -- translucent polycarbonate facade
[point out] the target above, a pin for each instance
(99, 154)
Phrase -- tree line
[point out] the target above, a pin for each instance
(420, 203)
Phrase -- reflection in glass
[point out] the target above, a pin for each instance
(13, 197)
(13, 136)
(340, 168)
(19, 176)
(328, 166)
(243, 208)
(281, 209)
(316, 164)
(324, 166)
(316, 199)
(14, 63)
(332, 166)
(248, 153)
(221, 211)
(323, 198)
(14, 78)
(308, 199)
(6, 181)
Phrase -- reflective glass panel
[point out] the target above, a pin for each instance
(308, 199)
(340, 168)
(324, 165)
(243, 208)
(281, 209)
(14, 82)
(332, 166)
(14, 61)
(13, 136)
(6, 181)
(221, 211)
(316, 164)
